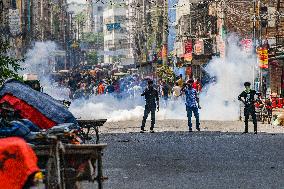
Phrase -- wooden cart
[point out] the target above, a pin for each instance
(67, 165)
(90, 128)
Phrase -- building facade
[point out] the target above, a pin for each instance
(195, 34)
(117, 38)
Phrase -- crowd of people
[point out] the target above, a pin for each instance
(82, 84)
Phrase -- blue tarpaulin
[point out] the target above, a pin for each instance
(45, 104)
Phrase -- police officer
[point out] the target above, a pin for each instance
(152, 103)
(247, 97)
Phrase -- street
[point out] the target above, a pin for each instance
(70, 69)
(179, 159)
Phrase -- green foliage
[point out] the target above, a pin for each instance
(93, 38)
(92, 58)
(9, 66)
(56, 21)
(81, 18)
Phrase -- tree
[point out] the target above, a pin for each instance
(94, 39)
(9, 66)
(92, 58)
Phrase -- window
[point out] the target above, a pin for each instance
(13, 4)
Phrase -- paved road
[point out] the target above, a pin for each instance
(183, 160)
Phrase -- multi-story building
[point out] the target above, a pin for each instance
(117, 39)
(96, 10)
(263, 22)
(194, 28)
(10, 25)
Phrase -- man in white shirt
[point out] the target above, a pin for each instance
(176, 91)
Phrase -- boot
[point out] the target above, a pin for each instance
(246, 129)
(255, 129)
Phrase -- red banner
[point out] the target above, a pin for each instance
(187, 46)
(247, 44)
(188, 71)
(188, 57)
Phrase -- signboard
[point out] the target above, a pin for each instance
(247, 45)
(113, 26)
(221, 46)
(14, 21)
(188, 71)
(271, 14)
(164, 51)
(199, 47)
(188, 46)
(263, 58)
(188, 57)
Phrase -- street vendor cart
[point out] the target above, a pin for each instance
(90, 128)
(67, 165)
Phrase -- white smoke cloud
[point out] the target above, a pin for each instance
(106, 106)
(38, 59)
(218, 100)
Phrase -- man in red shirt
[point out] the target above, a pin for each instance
(197, 85)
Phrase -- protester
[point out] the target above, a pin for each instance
(110, 88)
(152, 104)
(165, 91)
(247, 97)
(176, 91)
(101, 88)
(180, 81)
(192, 104)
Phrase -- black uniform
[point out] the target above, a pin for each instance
(151, 97)
(248, 98)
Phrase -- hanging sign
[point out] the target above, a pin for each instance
(14, 21)
(164, 51)
(188, 46)
(263, 58)
(199, 47)
(247, 45)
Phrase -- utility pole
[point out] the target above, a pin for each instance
(254, 23)
(145, 25)
(165, 36)
(254, 39)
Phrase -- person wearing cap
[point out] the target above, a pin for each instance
(192, 104)
(247, 97)
(152, 104)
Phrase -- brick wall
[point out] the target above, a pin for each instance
(275, 79)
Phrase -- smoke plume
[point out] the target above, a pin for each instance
(218, 99)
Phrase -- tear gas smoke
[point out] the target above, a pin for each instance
(40, 61)
(218, 99)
